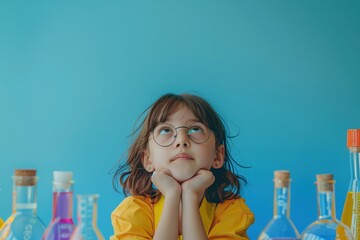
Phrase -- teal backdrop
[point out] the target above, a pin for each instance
(75, 76)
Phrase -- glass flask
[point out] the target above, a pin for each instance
(326, 226)
(351, 211)
(1, 221)
(61, 225)
(281, 226)
(87, 228)
(23, 222)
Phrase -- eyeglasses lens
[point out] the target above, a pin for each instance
(165, 134)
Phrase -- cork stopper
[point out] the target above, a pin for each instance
(281, 178)
(25, 177)
(325, 182)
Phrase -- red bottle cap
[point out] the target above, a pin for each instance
(353, 138)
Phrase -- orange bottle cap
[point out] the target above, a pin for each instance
(353, 138)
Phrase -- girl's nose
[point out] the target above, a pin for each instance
(182, 139)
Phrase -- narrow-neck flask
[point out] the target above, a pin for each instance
(326, 226)
(351, 211)
(62, 225)
(281, 226)
(24, 222)
(87, 228)
(1, 221)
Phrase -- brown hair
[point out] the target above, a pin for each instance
(137, 181)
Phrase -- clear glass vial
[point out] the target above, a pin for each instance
(24, 222)
(281, 226)
(87, 228)
(326, 226)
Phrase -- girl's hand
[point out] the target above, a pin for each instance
(192, 193)
(165, 182)
(197, 185)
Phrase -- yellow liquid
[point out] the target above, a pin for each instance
(1, 222)
(351, 213)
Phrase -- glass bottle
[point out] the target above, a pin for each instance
(87, 228)
(23, 222)
(326, 226)
(62, 225)
(1, 221)
(351, 211)
(281, 226)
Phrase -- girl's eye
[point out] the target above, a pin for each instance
(195, 129)
(164, 131)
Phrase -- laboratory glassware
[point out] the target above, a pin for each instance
(351, 211)
(23, 223)
(62, 225)
(87, 228)
(326, 226)
(281, 225)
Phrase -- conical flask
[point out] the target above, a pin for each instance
(62, 225)
(87, 228)
(326, 226)
(281, 226)
(351, 211)
(23, 222)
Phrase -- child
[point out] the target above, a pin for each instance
(178, 171)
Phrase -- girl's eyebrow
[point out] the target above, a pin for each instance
(191, 121)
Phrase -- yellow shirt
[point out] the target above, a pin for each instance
(137, 218)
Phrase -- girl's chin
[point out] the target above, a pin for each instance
(181, 177)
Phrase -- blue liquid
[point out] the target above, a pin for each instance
(23, 225)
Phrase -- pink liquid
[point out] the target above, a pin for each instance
(62, 224)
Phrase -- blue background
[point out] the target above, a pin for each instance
(75, 76)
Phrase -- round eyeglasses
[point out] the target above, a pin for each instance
(165, 134)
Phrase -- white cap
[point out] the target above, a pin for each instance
(63, 179)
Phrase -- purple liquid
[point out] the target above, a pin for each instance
(62, 224)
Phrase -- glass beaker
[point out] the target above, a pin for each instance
(351, 212)
(87, 228)
(281, 226)
(23, 222)
(326, 226)
(62, 225)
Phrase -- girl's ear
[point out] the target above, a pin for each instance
(219, 159)
(146, 161)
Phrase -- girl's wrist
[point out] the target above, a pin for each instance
(189, 196)
(174, 194)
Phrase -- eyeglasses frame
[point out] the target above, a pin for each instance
(187, 134)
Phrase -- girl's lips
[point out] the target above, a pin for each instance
(184, 156)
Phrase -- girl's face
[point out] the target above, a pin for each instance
(183, 158)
